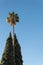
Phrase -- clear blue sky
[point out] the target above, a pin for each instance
(29, 30)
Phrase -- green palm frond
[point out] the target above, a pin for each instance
(13, 18)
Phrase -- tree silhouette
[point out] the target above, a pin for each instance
(7, 57)
(18, 56)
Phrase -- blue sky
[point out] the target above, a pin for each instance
(29, 30)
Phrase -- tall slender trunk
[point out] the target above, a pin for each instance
(13, 47)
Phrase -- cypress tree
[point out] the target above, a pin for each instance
(18, 56)
(7, 57)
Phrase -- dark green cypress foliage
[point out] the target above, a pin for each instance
(18, 56)
(7, 57)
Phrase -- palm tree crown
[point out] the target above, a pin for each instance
(13, 18)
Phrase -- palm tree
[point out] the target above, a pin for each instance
(12, 19)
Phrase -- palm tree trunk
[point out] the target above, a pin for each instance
(13, 47)
(13, 36)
